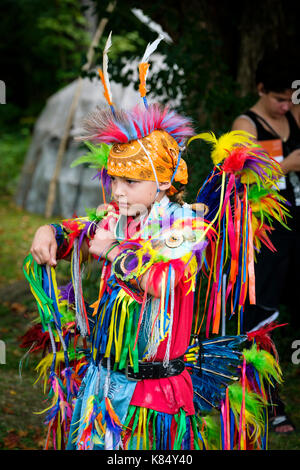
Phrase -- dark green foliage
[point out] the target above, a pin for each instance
(44, 48)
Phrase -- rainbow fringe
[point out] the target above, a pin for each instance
(242, 201)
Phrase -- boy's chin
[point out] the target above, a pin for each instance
(124, 210)
(132, 211)
(127, 211)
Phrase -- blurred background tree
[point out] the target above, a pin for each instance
(210, 58)
(42, 50)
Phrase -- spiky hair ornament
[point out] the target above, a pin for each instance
(143, 143)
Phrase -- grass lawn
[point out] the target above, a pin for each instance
(20, 400)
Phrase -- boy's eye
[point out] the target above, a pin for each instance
(128, 181)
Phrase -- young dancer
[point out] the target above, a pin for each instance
(142, 378)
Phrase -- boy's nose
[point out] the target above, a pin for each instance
(119, 189)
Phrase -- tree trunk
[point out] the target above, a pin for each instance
(260, 29)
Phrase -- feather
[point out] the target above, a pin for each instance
(35, 338)
(214, 365)
(123, 126)
(151, 47)
(262, 338)
(91, 429)
(210, 430)
(104, 73)
(112, 420)
(264, 363)
(143, 71)
(225, 144)
(96, 158)
(254, 409)
(144, 66)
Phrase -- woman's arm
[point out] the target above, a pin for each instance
(243, 124)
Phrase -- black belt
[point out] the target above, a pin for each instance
(150, 370)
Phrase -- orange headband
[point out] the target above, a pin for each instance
(151, 158)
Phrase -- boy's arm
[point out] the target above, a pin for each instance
(55, 241)
(139, 283)
(146, 265)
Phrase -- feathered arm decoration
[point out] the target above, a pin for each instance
(234, 382)
(242, 202)
(181, 244)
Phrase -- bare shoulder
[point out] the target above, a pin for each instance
(243, 123)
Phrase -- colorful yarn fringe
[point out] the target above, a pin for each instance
(234, 383)
(242, 202)
(62, 369)
(152, 430)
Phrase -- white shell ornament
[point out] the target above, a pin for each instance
(175, 239)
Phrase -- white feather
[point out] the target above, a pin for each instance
(151, 47)
(105, 64)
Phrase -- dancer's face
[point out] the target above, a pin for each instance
(136, 196)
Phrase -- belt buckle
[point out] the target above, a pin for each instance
(131, 379)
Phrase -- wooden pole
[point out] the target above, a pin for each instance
(64, 140)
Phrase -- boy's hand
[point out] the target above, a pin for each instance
(103, 239)
(44, 246)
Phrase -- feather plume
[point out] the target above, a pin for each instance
(144, 66)
(96, 158)
(214, 365)
(91, 428)
(112, 420)
(104, 73)
(254, 409)
(123, 126)
(210, 431)
(35, 338)
(226, 143)
(143, 71)
(151, 47)
(262, 338)
(264, 363)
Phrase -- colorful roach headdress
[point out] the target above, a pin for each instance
(144, 143)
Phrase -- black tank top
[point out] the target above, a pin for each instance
(292, 143)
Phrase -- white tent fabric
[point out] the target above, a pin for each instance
(76, 190)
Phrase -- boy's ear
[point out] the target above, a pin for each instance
(164, 186)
